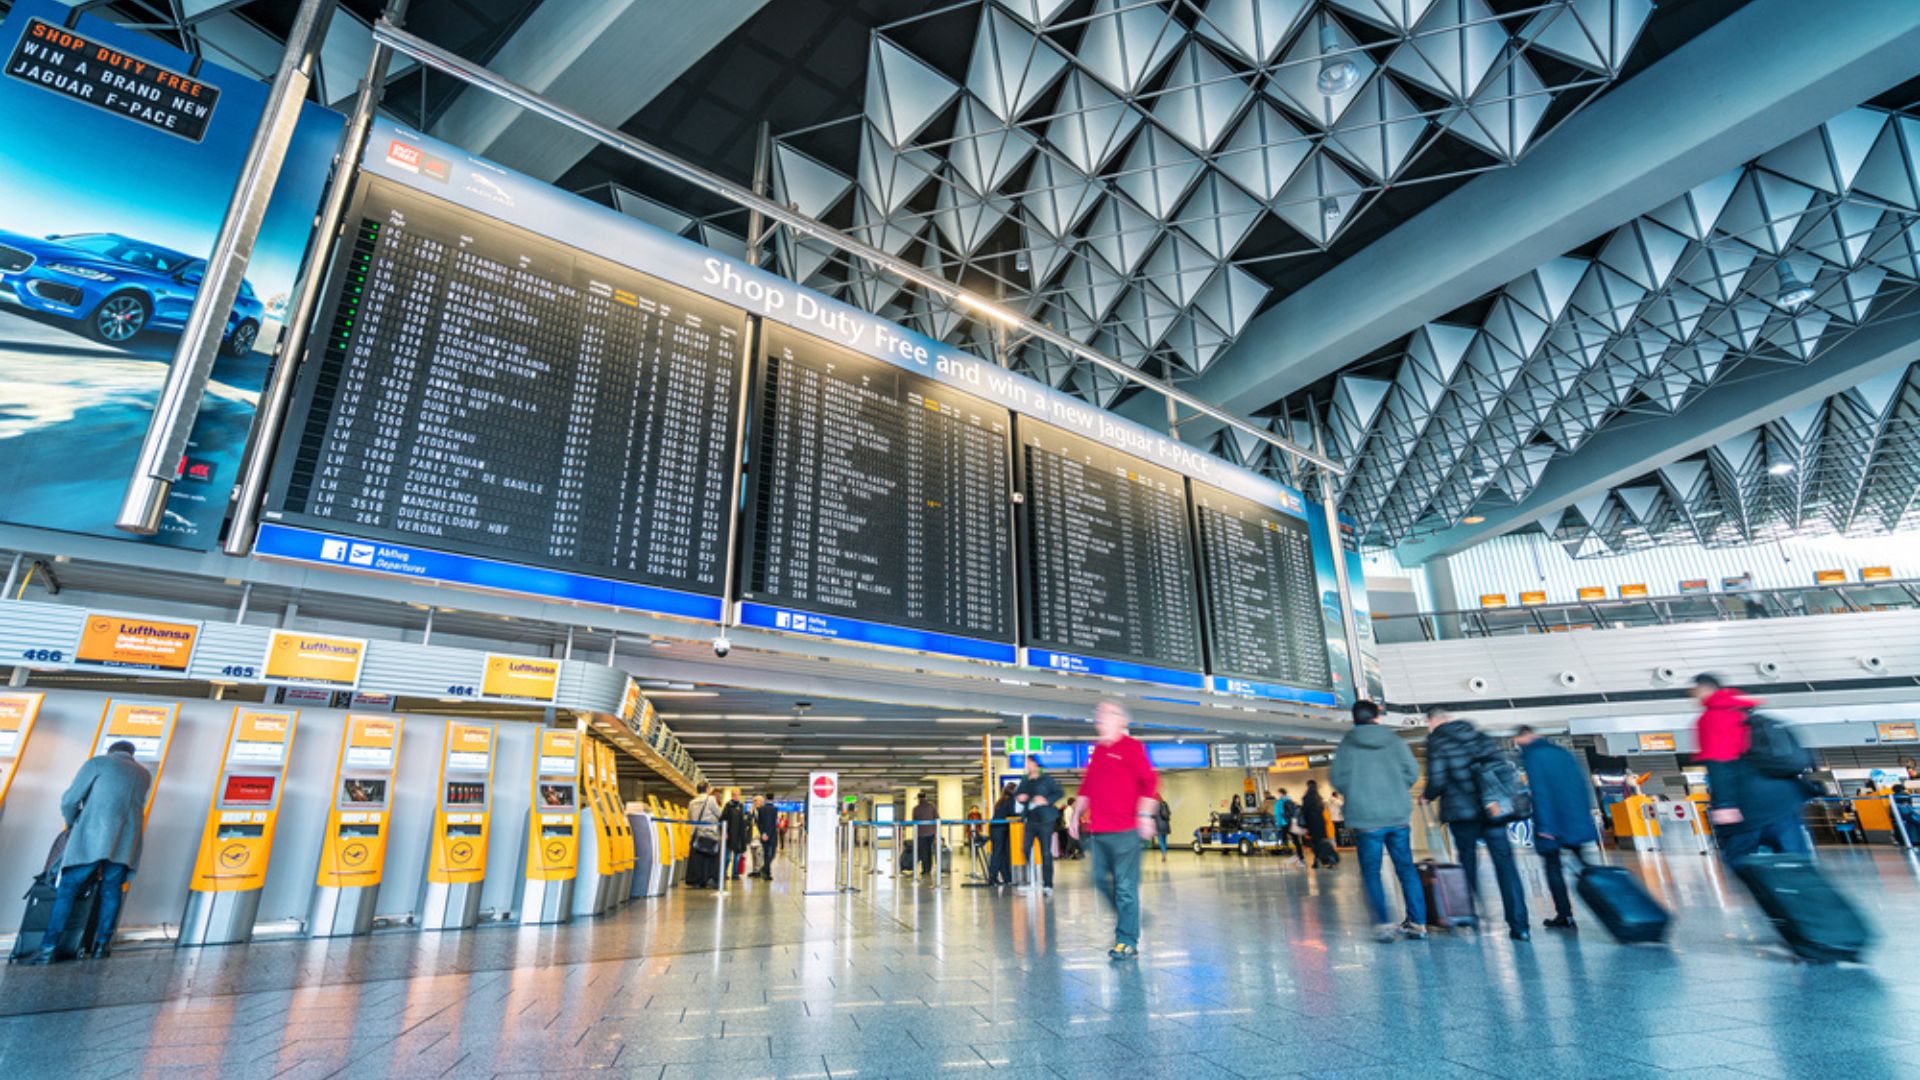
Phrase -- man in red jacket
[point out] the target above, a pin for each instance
(1748, 810)
(1116, 807)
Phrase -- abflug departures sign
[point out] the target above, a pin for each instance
(449, 174)
(60, 60)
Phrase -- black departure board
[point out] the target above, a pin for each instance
(1260, 591)
(1108, 562)
(481, 390)
(877, 493)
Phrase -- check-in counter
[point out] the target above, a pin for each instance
(353, 853)
(1634, 826)
(457, 860)
(552, 855)
(649, 878)
(667, 866)
(593, 891)
(236, 843)
(17, 714)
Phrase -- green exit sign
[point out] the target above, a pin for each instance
(1026, 744)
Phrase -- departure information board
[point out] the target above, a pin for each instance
(480, 390)
(1259, 589)
(1108, 563)
(876, 494)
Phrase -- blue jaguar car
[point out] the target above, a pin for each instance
(115, 287)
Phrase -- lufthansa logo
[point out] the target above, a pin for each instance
(233, 856)
(353, 854)
(461, 851)
(556, 851)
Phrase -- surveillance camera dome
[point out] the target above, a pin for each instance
(721, 646)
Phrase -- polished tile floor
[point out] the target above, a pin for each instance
(1251, 969)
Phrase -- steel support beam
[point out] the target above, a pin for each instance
(605, 58)
(1756, 392)
(1768, 72)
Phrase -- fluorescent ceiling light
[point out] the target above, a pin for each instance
(1780, 468)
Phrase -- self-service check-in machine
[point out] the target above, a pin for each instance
(663, 851)
(594, 881)
(553, 830)
(237, 840)
(148, 725)
(17, 714)
(457, 859)
(622, 828)
(648, 878)
(354, 851)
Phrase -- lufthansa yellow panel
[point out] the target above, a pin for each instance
(314, 660)
(520, 678)
(145, 644)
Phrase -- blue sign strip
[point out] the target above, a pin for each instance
(346, 553)
(1223, 684)
(1114, 669)
(840, 628)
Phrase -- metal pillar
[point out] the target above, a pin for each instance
(165, 444)
(1329, 504)
(756, 222)
(272, 411)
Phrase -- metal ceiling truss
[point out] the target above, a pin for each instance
(1847, 466)
(1106, 173)
(1771, 263)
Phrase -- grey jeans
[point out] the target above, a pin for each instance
(1116, 874)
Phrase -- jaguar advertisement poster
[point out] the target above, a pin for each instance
(121, 154)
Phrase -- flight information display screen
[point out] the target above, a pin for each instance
(1261, 594)
(877, 494)
(480, 390)
(1109, 564)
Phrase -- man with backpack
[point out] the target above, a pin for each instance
(1478, 789)
(1755, 794)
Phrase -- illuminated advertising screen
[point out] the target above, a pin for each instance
(121, 155)
(248, 791)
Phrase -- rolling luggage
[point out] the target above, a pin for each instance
(1449, 894)
(78, 935)
(1626, 909)
(1816, 919)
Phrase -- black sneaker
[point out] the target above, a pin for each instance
(1520, 935)
(1561, 922)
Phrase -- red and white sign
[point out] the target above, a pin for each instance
(822, 848)
(823, 786)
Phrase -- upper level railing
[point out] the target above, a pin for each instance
(1649, 611)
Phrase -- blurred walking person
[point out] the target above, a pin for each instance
(1116, 811)
(1457, 755)
(925, 834)
(1562, 815)
(1000, 840)
(1313, 811)
(1751, 804)
(1374, 771)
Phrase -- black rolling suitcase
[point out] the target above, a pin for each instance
(1449, 894)
(78, 934)
(1622, 905)
(1816, 919)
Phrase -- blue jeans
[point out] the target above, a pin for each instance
(1161, 839)
(113, 883)
(1116, 874)
(1467, 838)
(1783, 834)
(1395, 841)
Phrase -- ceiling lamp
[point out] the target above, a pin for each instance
(1330, 212)
(1794, 293)
(1338, 74)
(1780, 468)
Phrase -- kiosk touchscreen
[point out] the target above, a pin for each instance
(354, 850)
(553, 830)
(457, 861)
(237, 840)
(148, 725)
(17, 714)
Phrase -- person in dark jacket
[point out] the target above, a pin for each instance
(1748, 809)
(766, 822)
(1374, 770)
(703, 866)
(1456, 752)
(734, 817)
(1163, 826)
(106, 813)
(1313, 809)
(1037, 800)
(1562, 814)
(1286, 815)
(926, 833)
(1000, 840)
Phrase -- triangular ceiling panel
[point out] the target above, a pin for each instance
(1010, 67)
(904, 93)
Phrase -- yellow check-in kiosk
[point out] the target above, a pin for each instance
(353, 853)
(593, 891)
(552, 858)
(148, 725)
(17, 714)
(622, 829)
(653, 858)
(237, 840)
(457, 857)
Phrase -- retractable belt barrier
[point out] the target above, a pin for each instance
(851, 844)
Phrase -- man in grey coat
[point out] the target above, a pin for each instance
(106, 812)
(1375, 770)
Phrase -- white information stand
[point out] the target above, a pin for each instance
(823, 833)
